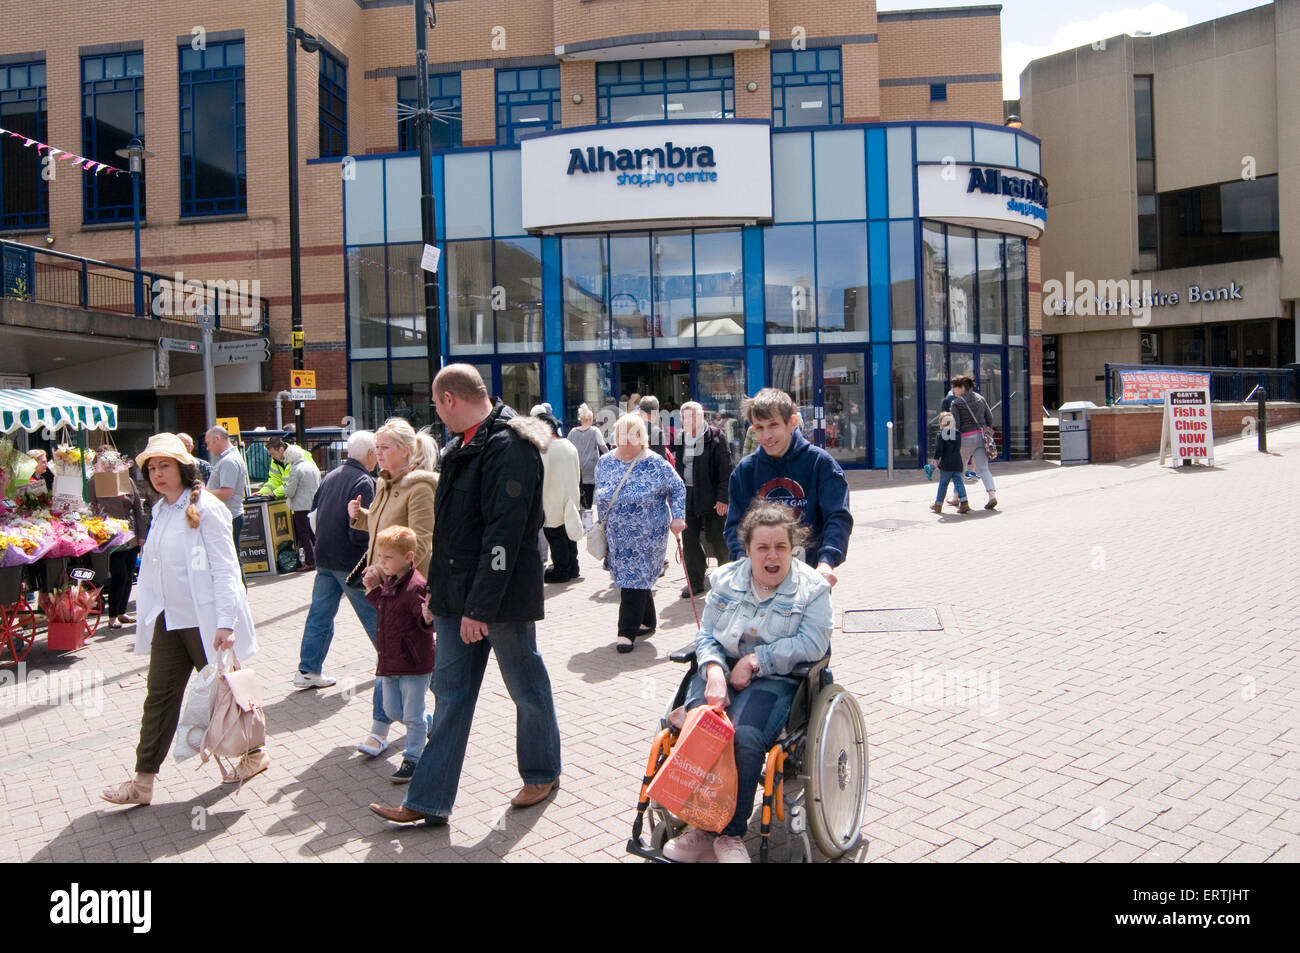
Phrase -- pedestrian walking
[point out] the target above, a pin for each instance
(400, 596)
(641, 499)
(561, 518)
(339, 547)
(704, 464)
(489, 598)
(947, 458)
(300, 486)
(229, 479)
(591, 447)
(648, 408)
(972, 414)
(404, 496)
(191, 605)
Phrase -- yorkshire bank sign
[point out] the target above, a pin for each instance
(598, 177)
(981, 196)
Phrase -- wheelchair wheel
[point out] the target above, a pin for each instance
(837, 771)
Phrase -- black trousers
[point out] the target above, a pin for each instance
(586, 494)
(701, 530)
(121, 572)
(564, 551)
(636, 607)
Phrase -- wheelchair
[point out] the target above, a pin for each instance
(822, 750)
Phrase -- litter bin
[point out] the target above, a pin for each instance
(1074, 431)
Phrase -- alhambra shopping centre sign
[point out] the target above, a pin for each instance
(599, 177)
(982, 196)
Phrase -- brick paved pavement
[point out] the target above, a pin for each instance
(1115, 681)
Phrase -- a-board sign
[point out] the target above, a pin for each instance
(266, 526)
(1187, 433)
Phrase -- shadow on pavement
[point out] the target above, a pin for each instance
(604, 662)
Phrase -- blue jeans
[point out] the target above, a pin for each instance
(758, 713)
(958, 484)
(457, 677)
(318, 630)
(404, 702)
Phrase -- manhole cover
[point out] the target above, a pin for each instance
(891, 620)
(893, 524)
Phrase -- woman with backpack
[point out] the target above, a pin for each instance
(972, 414)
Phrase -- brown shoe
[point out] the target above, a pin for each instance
(398, 815)
(964, 508)
(936, 507)
(531, 794)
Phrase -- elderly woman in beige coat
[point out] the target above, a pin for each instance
(403, 497)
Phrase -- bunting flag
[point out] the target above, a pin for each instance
(80, 162)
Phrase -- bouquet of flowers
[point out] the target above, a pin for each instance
(23, 539)
(108, 460)
(70, 538)
(108, 532)
(68, 460)
(69, 604)
(16, 468)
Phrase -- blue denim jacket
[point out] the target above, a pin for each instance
(792, 625)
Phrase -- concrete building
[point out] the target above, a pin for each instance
(849, 152)
(1174, 164)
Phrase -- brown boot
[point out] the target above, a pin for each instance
(964, 507)
(531, 794)
(936, 508)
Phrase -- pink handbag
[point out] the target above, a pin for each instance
(238, 723)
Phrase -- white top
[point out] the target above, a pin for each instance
(171, 556)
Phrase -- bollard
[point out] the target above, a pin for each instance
(1262, 432)
(889, 437)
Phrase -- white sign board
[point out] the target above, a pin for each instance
(252, 351)
(1188, 430)
(979, 196)
(429, 260)
(688, 172)
(302, 393)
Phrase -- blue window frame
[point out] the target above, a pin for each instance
(24, 193)
(112, 114)
(807, 88)
(444, 100)
(697, 87)
(214, 174)
(333, 106)
(528, 100)
(938, 92)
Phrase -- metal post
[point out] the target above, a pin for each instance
(135, 208)
(206, 320)
(295, 260)
(1262, 431)
(424, 137)
(889, 436)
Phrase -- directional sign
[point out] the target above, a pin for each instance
(252, 351)
(180, 344)
(302, 379)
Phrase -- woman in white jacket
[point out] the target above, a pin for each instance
(190, 602)
(300, 488)
(561, 519)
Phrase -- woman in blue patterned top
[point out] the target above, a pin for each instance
(650, 502)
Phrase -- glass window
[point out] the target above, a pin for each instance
(521, 385)
(367, 303)
(591, 383)
(792, 199)
(1018, 404)
(961, 284)
(468, 206)
(444, 100)
(585, 264)
(363, 204)
(630, 305)
(333, 106)
(406, 318)
(411, 392)
(112, 114)
(1233, 221)
(997, 148)
(907, 402)
(937, 143)
(806, 88)
(1029, 153)
(701, 87)
(843, 288)
(674, 289)
(844, 400)
(794, 374)
(528, 100)
(507, 194)
(788, 284)
(519, 276)
(1017, 293)
(214, 178)
(840, 175)
(902, 283)
(990, 388)
(23, 110)
(936, 386)
(401, 199)
(899, 143)
(1143, 117)
(370, 393)
(719, 290)
(719, 387)
(468, 273)
(934, 262)
(988, 248)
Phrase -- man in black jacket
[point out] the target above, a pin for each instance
(485, 594)
(704, 464)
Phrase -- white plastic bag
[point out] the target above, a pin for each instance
(196, 713)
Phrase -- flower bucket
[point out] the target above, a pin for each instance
(65, 636)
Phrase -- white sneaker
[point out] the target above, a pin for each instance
(731, 850)
(308, 680)
(689, 848)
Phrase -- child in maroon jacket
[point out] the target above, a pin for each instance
(404, 638)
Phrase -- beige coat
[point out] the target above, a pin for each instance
(406, 501)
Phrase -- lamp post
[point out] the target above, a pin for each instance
(136, 153)
(425, 18)
(310, 44)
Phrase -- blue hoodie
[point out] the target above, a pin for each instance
(806, 478)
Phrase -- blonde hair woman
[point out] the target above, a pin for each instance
(403, 497)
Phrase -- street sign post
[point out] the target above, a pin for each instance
(207, 320)
(252, 351)
(302, 385)
(181, 345)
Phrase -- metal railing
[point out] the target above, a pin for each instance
(44, 276)
(1227, 384)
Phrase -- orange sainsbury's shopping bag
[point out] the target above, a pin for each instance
(698, 780)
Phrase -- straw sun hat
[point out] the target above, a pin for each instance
(164, 445)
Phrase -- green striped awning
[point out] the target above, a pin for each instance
(50, 407)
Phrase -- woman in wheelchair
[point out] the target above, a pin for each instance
(765, 614)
